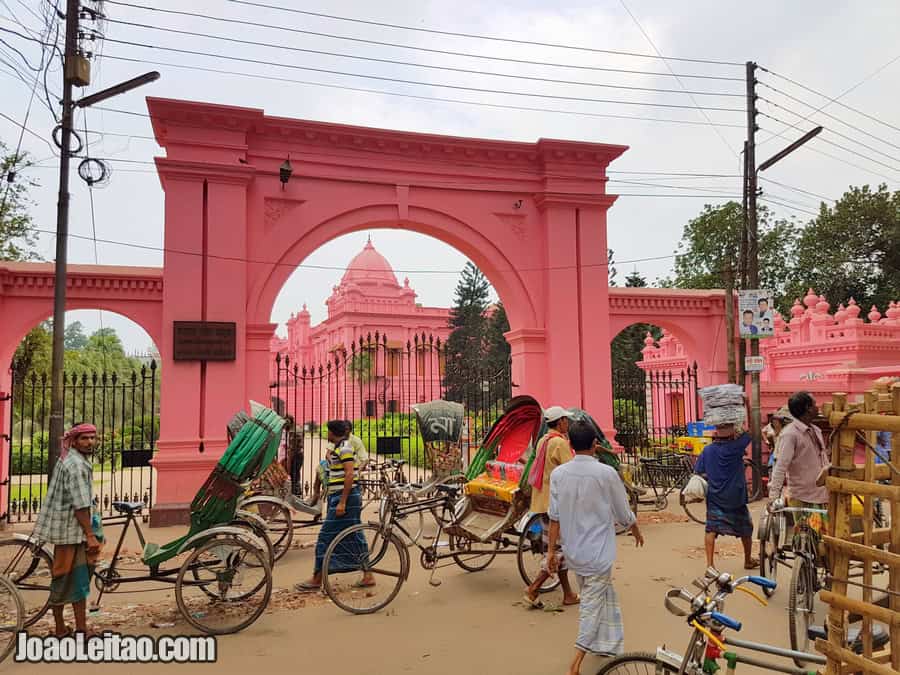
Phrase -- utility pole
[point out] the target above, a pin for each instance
(753, 257)
(72, 69)
(76, 72)
(750, 238)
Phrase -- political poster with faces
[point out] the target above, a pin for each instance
(756, 318)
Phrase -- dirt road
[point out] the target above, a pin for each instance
(471, 623)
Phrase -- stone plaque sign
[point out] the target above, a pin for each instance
(205, 340)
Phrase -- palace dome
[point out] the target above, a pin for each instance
(369, 267)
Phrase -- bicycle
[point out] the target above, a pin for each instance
(670, 472)
(809, 572)
(707, 645)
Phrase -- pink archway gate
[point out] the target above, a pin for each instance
(532, 216)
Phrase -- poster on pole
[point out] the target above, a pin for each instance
(754, 364)
(755, 314)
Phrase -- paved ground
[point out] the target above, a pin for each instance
(470, 623)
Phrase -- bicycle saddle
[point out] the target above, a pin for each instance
(880, 636)
(128, 508)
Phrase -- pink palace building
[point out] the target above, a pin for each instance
(368, 301)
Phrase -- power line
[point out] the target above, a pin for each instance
(309, 266)
(22, 126)
(467, 71)
(690, 94)
(828, 115)
(837, 145)
(787, 206)
(492, 38)
(832, 131)
(834, 100)
(796, 189)
(480, 104)
(399, 80)
(428, 50)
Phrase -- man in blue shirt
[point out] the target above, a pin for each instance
(722, 465)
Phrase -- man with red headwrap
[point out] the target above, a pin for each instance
(65, 521)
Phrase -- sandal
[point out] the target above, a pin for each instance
(752, 565)
(362, 584)
(576, 602)
(535, 603)
(307, 587)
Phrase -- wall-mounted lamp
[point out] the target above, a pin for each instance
(517, 204)
(285, 171)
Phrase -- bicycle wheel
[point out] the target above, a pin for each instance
(413, 522)
(636, 663)
(257, 528)
(360, 550)
(229, 586)
(694, 508)
(754, 477)
(530, 554)
(12, 615)
(801, 610)
(29, 567)
(473, 560)
(279, 523)
(768, 552)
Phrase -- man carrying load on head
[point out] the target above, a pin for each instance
(553, 450)
(66, 522)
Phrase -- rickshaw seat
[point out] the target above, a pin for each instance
(128, 508)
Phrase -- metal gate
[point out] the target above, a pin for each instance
(651, 410)
(123, 407)
(373, 382)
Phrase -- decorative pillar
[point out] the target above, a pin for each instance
(204, 280)
(528, 349)
(259, 361)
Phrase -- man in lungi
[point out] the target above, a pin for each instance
(65, 521)
(722, 464)
(587, 500)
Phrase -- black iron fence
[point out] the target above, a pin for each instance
(651, 410)
(123, 407)
(373, 382)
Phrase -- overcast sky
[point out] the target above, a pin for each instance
(828, 46)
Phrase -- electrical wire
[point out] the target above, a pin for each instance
(837, 145)
(399, 80)
(299, 31)
(467, 71)
(834, 100)
(796, 189)
(787, 206)
(867, 78)
(479, 104)
(690, 94)
(828, 115)
(434, 31)
(22, 126)
(309, 266)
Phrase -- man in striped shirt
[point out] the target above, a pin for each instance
(344, 510)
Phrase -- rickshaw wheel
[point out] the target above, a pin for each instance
(530, 554)
(12, 615)
(472, 561)
(228, 588)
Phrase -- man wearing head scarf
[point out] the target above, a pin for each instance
(66, 522)
(552, 450)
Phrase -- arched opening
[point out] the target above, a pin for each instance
(654, 387)
(368, 328)
(111, 380)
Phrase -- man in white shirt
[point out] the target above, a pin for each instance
(587, 500)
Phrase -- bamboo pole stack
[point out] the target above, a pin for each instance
(880, 411)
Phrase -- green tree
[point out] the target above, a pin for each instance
(710, 245)
(497, 352)
(466, 343)
(34, 352)
(17, 237)
(851, 249)
(74, 336)
(361, 368)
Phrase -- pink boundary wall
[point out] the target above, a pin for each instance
(816, 351)
(233, 235)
